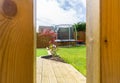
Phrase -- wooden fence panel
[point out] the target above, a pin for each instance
(16, 41)
(42, 41)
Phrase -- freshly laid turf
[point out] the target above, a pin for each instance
(75, 56)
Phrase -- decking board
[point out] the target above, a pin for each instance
(49, 71)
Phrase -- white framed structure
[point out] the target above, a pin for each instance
(64, 32)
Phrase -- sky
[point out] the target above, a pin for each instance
(54, 12)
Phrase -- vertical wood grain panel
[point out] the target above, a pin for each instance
(16, 41)
(93, 41)
(110, 41)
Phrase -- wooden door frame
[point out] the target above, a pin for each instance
(93, 41)
(16, 41)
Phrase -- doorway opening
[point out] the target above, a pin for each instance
(61, 42)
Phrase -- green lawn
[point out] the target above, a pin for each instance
(75, 56)
(41, 51)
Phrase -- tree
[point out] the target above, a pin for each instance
(80, 26)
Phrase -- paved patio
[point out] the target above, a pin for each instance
(49, 71)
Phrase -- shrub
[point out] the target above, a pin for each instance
(49, 33)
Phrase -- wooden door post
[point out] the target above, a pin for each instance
(93, 41)
(103, 41)
(16, 41)
(110, 41)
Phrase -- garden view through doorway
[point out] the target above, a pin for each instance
(61, 41)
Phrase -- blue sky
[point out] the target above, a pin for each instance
(52, 12)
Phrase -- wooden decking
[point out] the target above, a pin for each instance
(49, 71)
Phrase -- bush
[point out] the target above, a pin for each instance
(51, 35)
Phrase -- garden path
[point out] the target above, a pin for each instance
(49, 71)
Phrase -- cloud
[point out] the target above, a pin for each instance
(51, 12)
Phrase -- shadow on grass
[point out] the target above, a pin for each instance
(55, 58)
